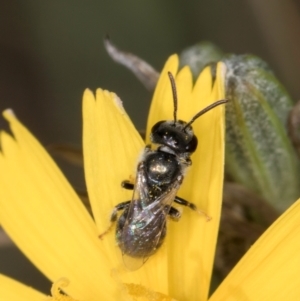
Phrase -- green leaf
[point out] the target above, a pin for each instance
(259, 154)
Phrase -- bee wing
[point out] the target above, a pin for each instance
(147, 220)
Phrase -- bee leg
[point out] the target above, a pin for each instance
(192, 206)
(114, 216)
(174, 214)
(127, 185)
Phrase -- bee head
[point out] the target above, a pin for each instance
(175, 135)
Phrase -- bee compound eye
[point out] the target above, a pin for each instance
(157, 132)
(192, 145)
(157, 127)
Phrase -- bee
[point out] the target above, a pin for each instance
(141, 228)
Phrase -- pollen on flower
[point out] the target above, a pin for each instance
(140, 293)
(56, 291)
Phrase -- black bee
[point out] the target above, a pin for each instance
(141, 228)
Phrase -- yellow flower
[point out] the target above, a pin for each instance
(43, 215)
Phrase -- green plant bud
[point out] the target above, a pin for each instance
(259, 154)
(199, 56)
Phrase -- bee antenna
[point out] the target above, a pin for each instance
(173, 85)
(208, 108)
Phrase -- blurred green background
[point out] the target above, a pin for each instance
(50, 51)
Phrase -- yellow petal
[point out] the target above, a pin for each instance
(111, 150)
(270, 269)
(111, 146)
(203, 187)
(191, 242)
(12, 290)
(45, 218)
(140, 293)
(162, 102)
